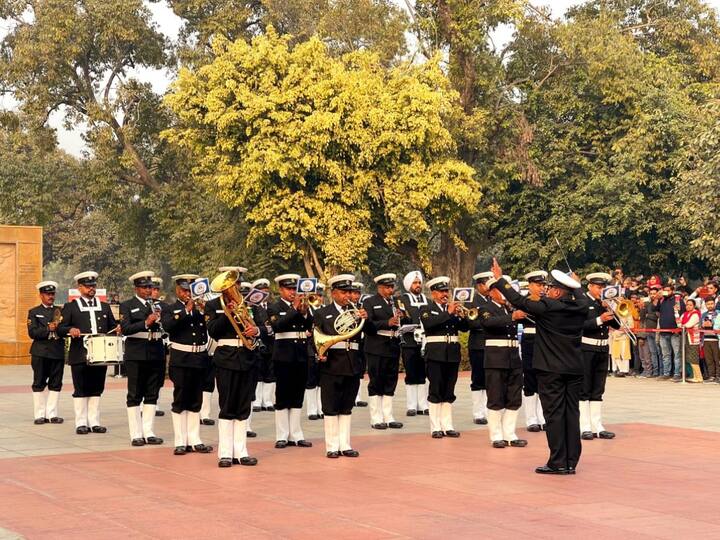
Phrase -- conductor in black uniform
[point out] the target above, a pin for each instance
(144, 353)
(86, 315)
(560, 318)
(47, 354)
(291, 321)
(185, 325)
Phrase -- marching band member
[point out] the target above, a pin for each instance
(534, 418)
(185, 325)
(503, 370)
(162, 368)
(411, 349)
(244, 287)
(476, 350)
(291, 320)
(47, 354)
(86, 315)
(312, 384)
(144, 353)
(442, 355)
(266, 371)
(382, 351)
(355, 296)
(235, 376)
(558, 360)
(595, 355)
(339, 370)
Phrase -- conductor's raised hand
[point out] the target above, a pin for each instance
(496, 270)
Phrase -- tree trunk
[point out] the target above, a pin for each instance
(453, 262)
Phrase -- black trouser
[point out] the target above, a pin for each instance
(235, 392)
(88, 381)
(383, 373)
(595, 368)
(161, 367)
(209, 378)
(266, 368)
(187, 388)
(504, 388)
(560, 396)
(477, 367)
(530, 384)
(313, 373)
(290, 386)
(47, 372)
(142, 382)
(338, 393)
(414, 365)
(442, 377)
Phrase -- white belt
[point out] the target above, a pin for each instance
(230, 343)
(346, 345)
(530, 330)
(291, 335)
(441, 339)
(595, 342)
(501, 343)
(387, 333)
(188, 348)
(146, 335)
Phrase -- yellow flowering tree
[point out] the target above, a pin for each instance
(325, 155)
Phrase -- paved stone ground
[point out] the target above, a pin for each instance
(657, 479)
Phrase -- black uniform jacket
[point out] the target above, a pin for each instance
(77, 314)
(380, 311)
(476, 340)
(595, 328)
(438, 322)
(498, 325)
(285, 318)
(412, 304)
(133, 313)
(559, 329)
(340, 361)
(38, 319)
(186, 329)
(219, 327)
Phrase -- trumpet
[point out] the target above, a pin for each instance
(312, 300)
(467, 313)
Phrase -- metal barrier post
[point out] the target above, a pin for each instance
(682, 355)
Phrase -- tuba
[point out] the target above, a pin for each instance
(240, 317)
(347, 324)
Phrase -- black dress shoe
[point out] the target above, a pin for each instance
(519, 443)
(534, 428)
(426, 412)
(411, 412)
(606, 435)
(258, 409)
(138, 442)
(57, 420)
(281, 444)
(480, 421)
(395, 425)
(304, 444)
(235, 461)
(225, 462)
(248, 461)
(270, 409)
(333, 455)
(98, 429)
(549, 470)
(379, 426)
(179, 451)
(159, 413)
(153, 440)
(452, 433)
(587, 436)
(351, 453)
(361, 403)
(202, 448)
(314, 417)
(262, 409)
(82, 430)
(437, 434)
(499, 444)
(250, 434)
(207, 422)
(39, 421)
(291, 443)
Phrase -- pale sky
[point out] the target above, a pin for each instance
(169, 24)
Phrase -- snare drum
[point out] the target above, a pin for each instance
(104, 350)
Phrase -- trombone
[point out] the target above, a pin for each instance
(620, 310)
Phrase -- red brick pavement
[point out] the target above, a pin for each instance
(650, 482)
